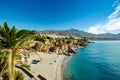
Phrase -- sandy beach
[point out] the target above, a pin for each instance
(49, 67)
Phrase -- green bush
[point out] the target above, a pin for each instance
(26, 66)
(5, 76)
(40, 38)
(18, 76)
(19, 57)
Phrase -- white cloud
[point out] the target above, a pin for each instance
(115, 13)
(95, 29)
(111, 26)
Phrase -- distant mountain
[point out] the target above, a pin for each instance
(78, 33)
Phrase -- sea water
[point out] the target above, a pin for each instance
(96, 61)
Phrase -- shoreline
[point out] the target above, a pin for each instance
(64, 66)
(61, 68)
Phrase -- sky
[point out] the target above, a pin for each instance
(94, 16)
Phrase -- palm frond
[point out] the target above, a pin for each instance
(6, 27)
(24, 33)
(3, 69)
(12, 33)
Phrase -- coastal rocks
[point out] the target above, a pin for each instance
(61, 46)
(68, 54)
(40, 47)
(71, 50)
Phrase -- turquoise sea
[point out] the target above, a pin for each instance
(96, 61)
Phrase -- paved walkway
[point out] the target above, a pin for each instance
(29, 75)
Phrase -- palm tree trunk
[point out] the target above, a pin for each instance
(11, 65)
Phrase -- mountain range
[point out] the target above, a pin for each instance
(79, 33)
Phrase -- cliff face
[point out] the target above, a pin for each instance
(65, 46)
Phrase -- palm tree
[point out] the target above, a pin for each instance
(12, 41)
